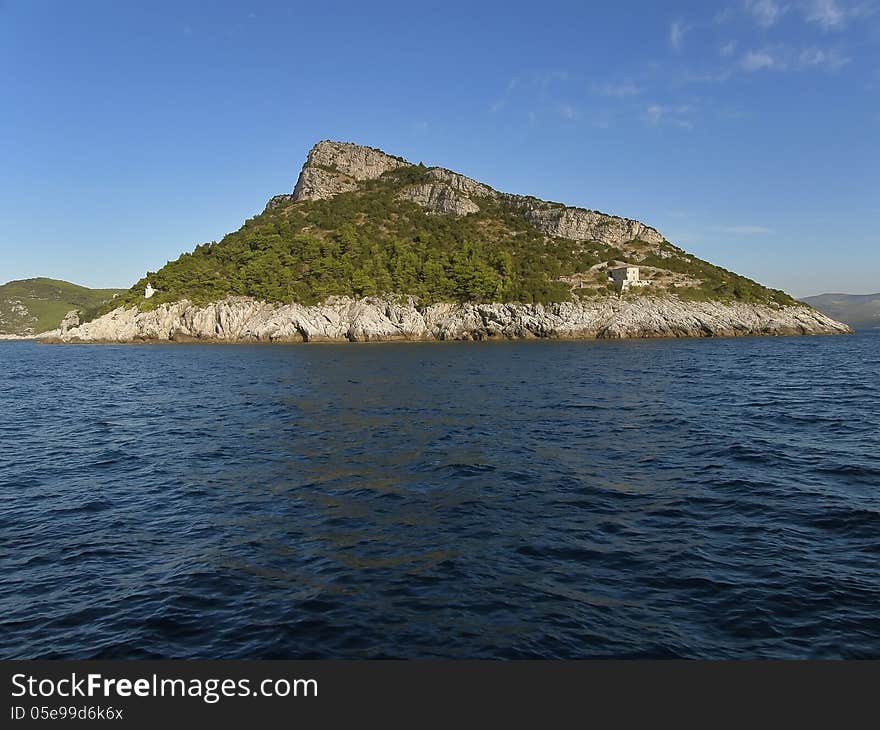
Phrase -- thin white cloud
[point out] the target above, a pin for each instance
(677, 31)
(728, 49)
(746, 230)
(818, 57)
(655, 113)
(785, 58)
(826, 13)
(619, 91)
(766, 13)
(836, 14)
(677, 115)
(760, 60)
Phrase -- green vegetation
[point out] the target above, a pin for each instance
(368, 242)
(715, 283)
(30, 306)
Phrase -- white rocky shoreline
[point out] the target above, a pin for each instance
(342, 319)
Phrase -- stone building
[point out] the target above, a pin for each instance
(626, 276)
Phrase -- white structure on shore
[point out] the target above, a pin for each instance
(149, 291)
(626, 276)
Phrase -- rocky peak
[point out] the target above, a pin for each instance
(337, 167)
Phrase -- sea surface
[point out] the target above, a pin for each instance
(691, 498)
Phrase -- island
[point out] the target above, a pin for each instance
(371, 247)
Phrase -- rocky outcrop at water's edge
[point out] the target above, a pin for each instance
(402, 318)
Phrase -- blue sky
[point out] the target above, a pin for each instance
(746, 131)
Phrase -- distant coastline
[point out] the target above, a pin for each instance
(859, 311)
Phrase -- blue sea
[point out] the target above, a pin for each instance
(715, 498)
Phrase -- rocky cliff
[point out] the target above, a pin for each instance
(338, 167)
(344, 319)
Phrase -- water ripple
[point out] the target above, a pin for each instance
(716, 498)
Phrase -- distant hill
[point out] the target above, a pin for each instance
(31, 306)
(859, 311)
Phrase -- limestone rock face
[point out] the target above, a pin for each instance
(588, 225)
(359, 320)
(337, 167)
(316, 183)
(462, 184)
(439, 198)
(71, 320)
